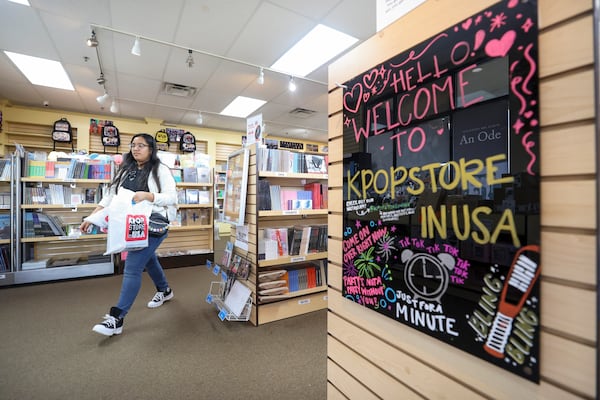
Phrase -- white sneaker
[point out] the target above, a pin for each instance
(112, 324)
(160, 297)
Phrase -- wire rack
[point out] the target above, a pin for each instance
(214, 297)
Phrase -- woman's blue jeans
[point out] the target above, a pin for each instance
(135, 263)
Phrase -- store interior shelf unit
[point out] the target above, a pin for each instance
(287, 276)
(45, 242)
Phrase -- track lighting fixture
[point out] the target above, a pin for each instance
(261, 76)
(101, 81)
(92, 41)
(136, 50)
(103, 98)
(292, 84)
(114, 107)
(199, 119)
(190, 59)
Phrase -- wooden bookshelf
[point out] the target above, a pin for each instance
(291, 303)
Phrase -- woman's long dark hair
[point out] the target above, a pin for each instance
(130, 164)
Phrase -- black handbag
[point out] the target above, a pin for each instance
(158, 224)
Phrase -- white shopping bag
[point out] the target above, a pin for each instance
(127, 223)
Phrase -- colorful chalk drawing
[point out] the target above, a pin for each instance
(441, 187)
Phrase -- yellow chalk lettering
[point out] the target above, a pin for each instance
(483, 236)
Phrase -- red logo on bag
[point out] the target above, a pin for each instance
(137, 228)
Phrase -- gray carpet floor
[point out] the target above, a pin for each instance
(178, 351)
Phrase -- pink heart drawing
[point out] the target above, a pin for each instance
(440, 131)
(513, 3)
(381, 148)
(479, 36)
(528, 114)
(352, 99)
(366, 97)
(500, 47)
(467, 24)
(369, 79)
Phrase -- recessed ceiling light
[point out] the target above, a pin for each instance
(41, 71)
(242, 107)
(24, 2)
(313, 50)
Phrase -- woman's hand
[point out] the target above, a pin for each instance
(141, 196)
(85, 225)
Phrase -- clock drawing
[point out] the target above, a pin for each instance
(426, 275)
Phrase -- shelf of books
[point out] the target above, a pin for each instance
(51, 199)
(6, 214)
(191, 234)
(286, 214)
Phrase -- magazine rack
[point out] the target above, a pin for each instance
(215, 297)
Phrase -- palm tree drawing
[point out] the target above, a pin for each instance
(365, 264)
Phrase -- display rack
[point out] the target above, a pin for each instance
(62, 253)
(301, 299)
(214, 297)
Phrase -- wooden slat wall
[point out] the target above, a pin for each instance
(33, 137)
(96, 145)
(225, 149)
(372, 356)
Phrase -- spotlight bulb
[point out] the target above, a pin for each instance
(136, 50)
(261, 77)
(92, 41)
(190, 59)
(114, 107)
(292, 85)
(103, 98)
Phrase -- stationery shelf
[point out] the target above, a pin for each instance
(49, 206)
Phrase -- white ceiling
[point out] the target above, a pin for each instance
(257, 32)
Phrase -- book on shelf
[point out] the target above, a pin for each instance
(275, 195)
(235, 263)
(203, 174)
(279, 160)
(270, 249)
(63, 261)
(227, 253)
(203, 197)
(34, 264)
(237, 297)
(316, 190)
(273, 291)
(263, 192)
(194, 217)
(5, 169)
(40, 224)
(192, 196)
(5, 226)
(190, 174)
(280, 237)
(177, 174)
(4, 258)
(316, 164)
(244, 269)
(273, 275)
(273, 284)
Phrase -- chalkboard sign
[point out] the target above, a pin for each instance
(441, 187)
(236, 186)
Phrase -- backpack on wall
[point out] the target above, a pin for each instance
(187, 143)
(162, 140)
(110, 137)
(62, 133)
